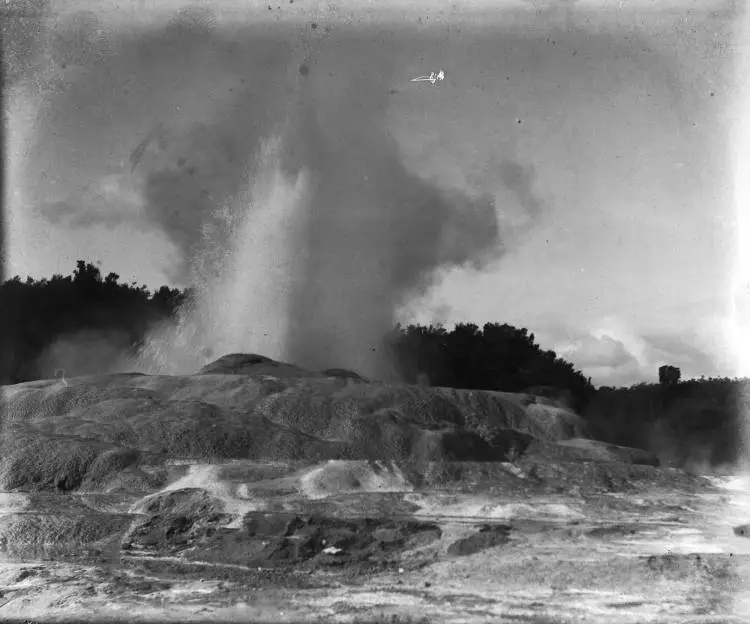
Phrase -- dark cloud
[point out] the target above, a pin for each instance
(58, 212)
(207, 162)
(376, 233)
(519, 179)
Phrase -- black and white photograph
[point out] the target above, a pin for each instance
(375, 312)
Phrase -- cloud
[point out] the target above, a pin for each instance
(605, 351)
(621, 355)
(519, 179)
(377, 234)
(510, 180)
(374, 233)
(112, 201)
(603, 358)
(675, 350)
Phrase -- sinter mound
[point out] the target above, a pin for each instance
(102, 431)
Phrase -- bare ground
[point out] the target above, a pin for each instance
(662, 552)
(257, 491)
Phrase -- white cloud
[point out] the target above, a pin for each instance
(617, 354)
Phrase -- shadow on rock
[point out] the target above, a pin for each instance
(488, 536)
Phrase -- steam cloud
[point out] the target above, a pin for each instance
(519, 179)
(372, 233)
(376, 233)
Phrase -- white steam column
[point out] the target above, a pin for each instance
(243, 276)
(248, 307)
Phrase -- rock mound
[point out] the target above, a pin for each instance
(342, 373)
(109, 432)
(341, 477)
(254, 364)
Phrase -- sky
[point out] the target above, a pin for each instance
(572, 174)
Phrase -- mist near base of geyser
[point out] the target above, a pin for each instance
(243, 276)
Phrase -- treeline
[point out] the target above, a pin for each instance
(35, 313)
(688, 423)
(495, 357)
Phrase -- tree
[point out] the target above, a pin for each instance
(111, 279)
(496, 357)
(669, 375)
(87, 272)
(36, 314)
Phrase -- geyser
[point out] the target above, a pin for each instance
(282, 194)
(242, 274)
(375, 233)
(330, 236)
(261, 268)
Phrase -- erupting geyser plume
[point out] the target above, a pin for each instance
(329, 236)
(241, 274)
(265, 160)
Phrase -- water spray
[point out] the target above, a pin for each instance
(245, 268)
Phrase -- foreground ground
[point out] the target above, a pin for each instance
(259, 491)
(503, 548)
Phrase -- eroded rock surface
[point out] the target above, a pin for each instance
(107, 432)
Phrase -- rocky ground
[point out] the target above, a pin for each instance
(106, 516)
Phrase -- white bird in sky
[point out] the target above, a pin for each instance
(432, 78)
